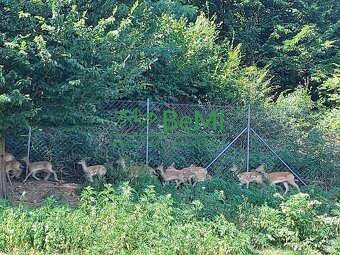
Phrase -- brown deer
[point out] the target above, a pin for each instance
(12, 165)
(200, 174)
(192, 173)
(247, 177)
(279, 177)
(15, 167)
(91, 171)
(35, 167)
(172, 174)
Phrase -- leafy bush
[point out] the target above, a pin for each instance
(216, 217)
(297, 224)
(117, 223)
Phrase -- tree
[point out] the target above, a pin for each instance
(3, 185)
(50, 65)
(62, 60)
(297, 39)
(330, 90)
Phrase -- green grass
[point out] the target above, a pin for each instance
(143, 217)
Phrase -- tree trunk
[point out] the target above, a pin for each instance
(3, 184)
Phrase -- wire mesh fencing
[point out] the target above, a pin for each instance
(191, 134)
(185, 134)
(17, 142)
(310, 152)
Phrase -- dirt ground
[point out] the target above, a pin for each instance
(33, 192)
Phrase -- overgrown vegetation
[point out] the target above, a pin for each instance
(84, 53)
(61, 60)
(216, 217)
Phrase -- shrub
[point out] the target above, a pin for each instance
(297, 224)
(118, 222)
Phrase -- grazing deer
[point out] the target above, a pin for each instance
(279, 177)
(192, 173)
(172, 174)
(199, 174)
(12, 165)
(247, 177)
(185, 173)
(35, 167)
(91, 171)
(15, 167)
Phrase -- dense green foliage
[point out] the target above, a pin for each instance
(61, 60)
(82, 52)
(298, 39)
(55, 51)
(215, 218)
(85, 53)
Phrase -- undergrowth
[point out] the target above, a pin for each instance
(143, 217)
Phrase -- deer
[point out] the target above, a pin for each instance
(279, 177)
(132, 169)
(11, 164)
(197, 174)
(200, 174)
(187, 174)
(14, 166)
(247, 177)
(35, 167)
(8, 157)
(91, 171)
(172, 174)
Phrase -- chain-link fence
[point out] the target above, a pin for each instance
(154, 133)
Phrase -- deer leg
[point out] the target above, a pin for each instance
(55, 176)
(286, 186)
(9, 179)
(194, 181)
(292, 182)
(17, 174)
(47, 176)
(90, 178)
(28, 176)
(34, 176)
(178, 182)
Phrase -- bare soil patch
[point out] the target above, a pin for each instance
(33, 192)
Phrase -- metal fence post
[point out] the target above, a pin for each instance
(248, 138)
(147, 131)
(271, 149)
(226, 148)
(28, 146)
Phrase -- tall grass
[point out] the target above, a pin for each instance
(217, 217)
